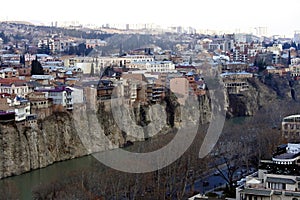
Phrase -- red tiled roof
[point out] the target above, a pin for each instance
(9, 81)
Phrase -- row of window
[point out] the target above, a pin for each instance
(276, 186)
(286, 133)
(291, 126)
(12, 91)
(39, 103)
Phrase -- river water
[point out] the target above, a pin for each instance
(25, 183)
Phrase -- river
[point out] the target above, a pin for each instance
(25, 183)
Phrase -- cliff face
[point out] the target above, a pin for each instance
(250, 101)
(26, 148)
(66, 135)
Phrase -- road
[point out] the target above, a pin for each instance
(213, 181)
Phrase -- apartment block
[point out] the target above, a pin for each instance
(278, 178)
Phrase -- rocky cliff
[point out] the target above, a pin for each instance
(248, 102)
(27, 148)
(66, 135)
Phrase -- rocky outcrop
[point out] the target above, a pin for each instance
(27, 148)
(248, 102)
(66, 135)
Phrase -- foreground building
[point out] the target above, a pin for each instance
(278, 178)
(290, 127)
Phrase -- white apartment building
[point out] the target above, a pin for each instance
(77, 95)
(297, 37)
(92, 43)
(276, 48)
(60, 96)
(295, 61)
(56, 45)
(278, 178)
(295, 70)
(261, 31)
(154, 66)
(22, 111)
(21, 108)
(98, 63)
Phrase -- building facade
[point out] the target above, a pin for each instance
(60, 96)
(278, 178)
(290, 127)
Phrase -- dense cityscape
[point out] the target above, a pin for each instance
(50, 75)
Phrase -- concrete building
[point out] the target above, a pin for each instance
(236, 83)
(161, 66)
(105, 89)
(77, 95)
(180, 87)
(234, 67)
(93, 43)
(90, 97)
(294, 70)
(261, 31)
(134, 88)
(10, 59)
(295, 61)
(13, 86)
(99, 63)
(153, 66)
(60, 96)
(42, 79)
(38, 100)
(290, 127)
(21, 107)
(278, 178)
(9, 73)
(297, 37)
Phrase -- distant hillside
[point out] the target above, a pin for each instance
(20, 22)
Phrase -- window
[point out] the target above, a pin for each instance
(277, 186)
(292, 126)
(286, 133)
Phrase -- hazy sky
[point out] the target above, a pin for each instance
(280, 17)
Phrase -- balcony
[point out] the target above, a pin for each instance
(69, 108)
